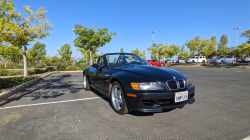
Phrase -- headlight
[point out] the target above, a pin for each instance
(146, 86)
(188, 82)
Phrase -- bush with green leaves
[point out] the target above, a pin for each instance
(83, 66)
(11, 82)
(71, 67)
(35, 71)
(9, 73)
(3, 72)
(61, 68)
(49, 69)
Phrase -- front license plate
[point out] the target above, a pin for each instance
(181, 96)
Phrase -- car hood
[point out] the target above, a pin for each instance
(156, 73)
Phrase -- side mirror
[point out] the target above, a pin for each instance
(95, 65)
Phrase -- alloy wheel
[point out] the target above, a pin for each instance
(117, 100)
(84, 82)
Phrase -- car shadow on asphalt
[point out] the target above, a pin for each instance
(43, 89)
(134, 113)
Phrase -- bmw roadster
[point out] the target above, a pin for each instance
(132, 84)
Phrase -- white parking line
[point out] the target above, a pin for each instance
(52, 102)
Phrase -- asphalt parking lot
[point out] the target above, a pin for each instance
(59, 108)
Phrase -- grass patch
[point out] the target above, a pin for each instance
(14, 81)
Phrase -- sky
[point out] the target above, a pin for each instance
(175, 21)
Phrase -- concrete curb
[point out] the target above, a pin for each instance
(18, 88)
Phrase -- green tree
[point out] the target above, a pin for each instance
(19, 31)
(38, 52)
(143, 55)
(89, 39)
(122, 50)
(193, 44)
(246, 33)
(171, 50)
(4, 53)
(210, 48)
(14, 54)
(244, 48)
(54, 59)
(86, 53)
(153, 50)
(65, 52)
(222, 45)
(137, 52)
(183, 53)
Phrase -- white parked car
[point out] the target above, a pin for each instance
(194, 59)
(181, 61)
(246, 59)
(223, 59)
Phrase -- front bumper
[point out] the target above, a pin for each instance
(157, 101)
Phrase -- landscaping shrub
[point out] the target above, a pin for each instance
(3, 72)
(9, 73)
(38, 71)
(61, 68)
(49, 69)
(71, 67)
(31, 72)
(83, 66)
(11, 82)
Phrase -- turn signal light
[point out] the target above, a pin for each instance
(135, 86)
(131, 95)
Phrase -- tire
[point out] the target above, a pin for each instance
(162, 65)
(203, 61)
(221, 61)
(151, 64)
(85, 82)
(118, 102)
(193, 61)
(233, 62)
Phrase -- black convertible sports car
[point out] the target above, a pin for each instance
(132, 84)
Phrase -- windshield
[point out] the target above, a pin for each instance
(192, 57)
(123, 59)
(218, 57)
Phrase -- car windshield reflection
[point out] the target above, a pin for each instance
(123, 59)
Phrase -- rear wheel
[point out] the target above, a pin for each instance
(233, 62)
(192, 61)
(117, 99)
(151, 64)
(162, 65)
(203, 61)
(221, 61)
(85, 82)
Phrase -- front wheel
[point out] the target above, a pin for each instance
(221, 61)
(117, 99)
(85, 82)
(151, 64)
(162, 65)
(233, 62)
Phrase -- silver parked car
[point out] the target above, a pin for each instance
(223, 59)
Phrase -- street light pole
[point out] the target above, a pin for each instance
(236, 39)
(74, 47)
(153, 36)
